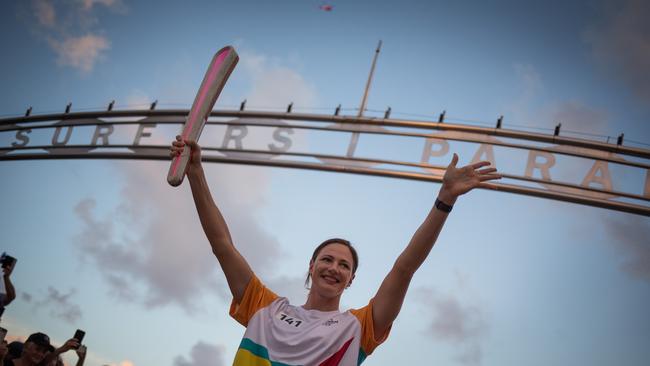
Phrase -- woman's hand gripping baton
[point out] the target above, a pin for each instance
(222, 64)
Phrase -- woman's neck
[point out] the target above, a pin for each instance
(321, 303)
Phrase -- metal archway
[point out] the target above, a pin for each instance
(592, 173)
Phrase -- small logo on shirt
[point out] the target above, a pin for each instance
(330, 322)
(289, 320)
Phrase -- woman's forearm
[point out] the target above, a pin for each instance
(424, 237)
(237, 271)
(213, 223)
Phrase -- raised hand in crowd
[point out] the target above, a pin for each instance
(10, 295)
(53, 358)
(81, 354)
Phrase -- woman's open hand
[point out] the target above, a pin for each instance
(457, 181)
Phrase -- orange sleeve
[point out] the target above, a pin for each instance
(256, 297)
(369, 340)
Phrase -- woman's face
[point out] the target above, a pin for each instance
(331, 271)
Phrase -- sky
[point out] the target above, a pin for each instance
(109, 247)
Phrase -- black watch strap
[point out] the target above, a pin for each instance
(443, 206)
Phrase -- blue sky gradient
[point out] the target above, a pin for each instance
(109, 247)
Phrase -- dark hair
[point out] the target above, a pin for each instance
(355, 256)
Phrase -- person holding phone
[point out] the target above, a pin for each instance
(53, 357)
(317, 333)
(10, 291)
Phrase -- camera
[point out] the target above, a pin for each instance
(7, 261)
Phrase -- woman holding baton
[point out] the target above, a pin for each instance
(317, 333)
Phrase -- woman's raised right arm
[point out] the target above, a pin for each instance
(238, 272)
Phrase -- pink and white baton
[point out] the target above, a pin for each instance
(222, 64)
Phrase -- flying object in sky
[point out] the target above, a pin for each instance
(326, 7)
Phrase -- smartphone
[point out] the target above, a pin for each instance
(3, 334)
(79, 335)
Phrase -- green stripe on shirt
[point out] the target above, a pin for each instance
(259, 351)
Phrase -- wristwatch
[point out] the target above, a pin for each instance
(443, 206)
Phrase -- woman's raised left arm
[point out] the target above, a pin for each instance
(390, 296)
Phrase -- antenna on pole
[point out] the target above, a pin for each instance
(372, 71)
(355, 135)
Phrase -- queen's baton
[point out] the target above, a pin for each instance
(222, 64)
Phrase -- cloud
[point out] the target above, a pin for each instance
(80, 52)
(45, 13)
(456, 322)
(129, 263)
(530, 78)
(137, 99)
(293, 288)
(622, 44)
(530, 84)
(14, 338)
(150, 247)
(530, 110)
(93, 358)
(202, 354)
(60, 305)
(72, 31)
(630, 236)
(161, 244)
(461, 324)
(122, 363)
(275, 85)
(88, 4)
(578, 117)
(26, 297)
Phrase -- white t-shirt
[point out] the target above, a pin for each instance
(281, 334)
